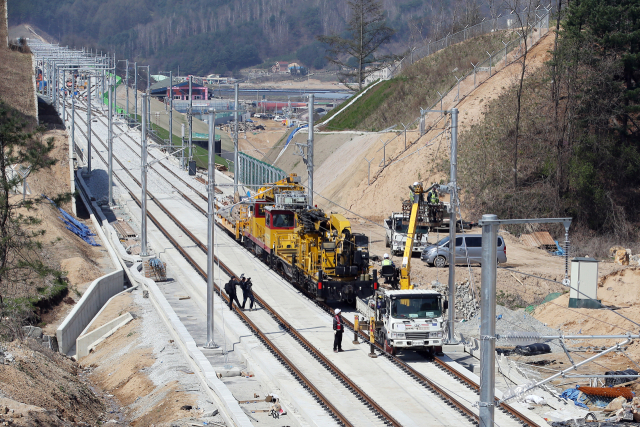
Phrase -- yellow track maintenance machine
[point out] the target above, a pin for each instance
(315, 251)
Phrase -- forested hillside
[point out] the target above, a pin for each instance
(205, 36)
(576, 149)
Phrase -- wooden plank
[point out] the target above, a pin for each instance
(530, 240)
(544, 238)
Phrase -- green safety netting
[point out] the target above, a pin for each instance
(105, 96)
(204, 135)
(546, 299)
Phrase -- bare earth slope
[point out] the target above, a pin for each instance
(350, 188)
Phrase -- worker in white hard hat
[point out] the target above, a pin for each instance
(413, 189)
(386, 260)
(338, 329)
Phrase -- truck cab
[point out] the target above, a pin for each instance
(396, 234)
(408, 319)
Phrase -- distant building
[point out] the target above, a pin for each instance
(381, 74)
(280, 67)
(180, 91)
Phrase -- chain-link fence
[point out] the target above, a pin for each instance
(428, 121)
(254, 173)
(508, 22)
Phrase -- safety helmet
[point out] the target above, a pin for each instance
(337, 311)
(386, 256)
(415, 184)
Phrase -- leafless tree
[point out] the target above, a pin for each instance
(525, 16)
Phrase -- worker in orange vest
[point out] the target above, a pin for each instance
(338, 329)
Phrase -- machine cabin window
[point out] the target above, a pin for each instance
(279, 219)
(258, 209)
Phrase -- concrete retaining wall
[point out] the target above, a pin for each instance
(89, 305)
(85, 342)
(96, 295)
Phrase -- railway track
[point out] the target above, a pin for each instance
(368, 402)
(422, 379)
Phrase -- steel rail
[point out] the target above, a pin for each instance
(425, 381)
(308, 384)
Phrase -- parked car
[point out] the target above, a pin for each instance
(279, 118)
(258, 115)
(468, 251)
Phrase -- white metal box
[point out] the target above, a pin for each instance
(584, 283)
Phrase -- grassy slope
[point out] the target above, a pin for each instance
(400, 99)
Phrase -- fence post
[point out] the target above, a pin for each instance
(384, 154)
(441, 113)
(474, 75)
(505, 52)
(368, 170)
(489, 63)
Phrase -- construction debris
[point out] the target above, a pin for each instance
(155, 269)
(607, 391)
(242, 127)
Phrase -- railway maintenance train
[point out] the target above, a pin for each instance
(315, 251)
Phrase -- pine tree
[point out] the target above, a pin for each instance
(21, 264)
(367, 31)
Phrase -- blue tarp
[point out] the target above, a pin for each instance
(294, 134)
(560, 251)
(574, 394)
(75, 226)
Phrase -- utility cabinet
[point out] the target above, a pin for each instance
(584, 283)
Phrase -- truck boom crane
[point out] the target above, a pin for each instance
(419, 214)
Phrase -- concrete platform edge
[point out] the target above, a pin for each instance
(232, 410)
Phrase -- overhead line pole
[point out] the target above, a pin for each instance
(211, 230)
(487, 321)
(110, 142)
(310, 151)
(453, 191)
(149, 98)
(89, 123)
(114, 78)
(143, 159)
(64, 97)
(73, 111)
(171, 110)
(135, 90)
(235, 146)
(127, 90)
(490, 225)
(190, 118)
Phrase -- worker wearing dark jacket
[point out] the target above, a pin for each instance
(247, 292)
(230, 289)
(338, 329)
